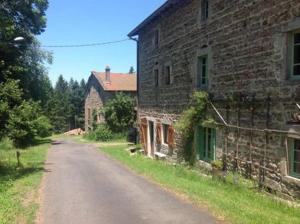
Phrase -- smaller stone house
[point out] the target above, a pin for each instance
(102, 87)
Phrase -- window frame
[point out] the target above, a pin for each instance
(156, 38)
(291, 53)
(168, 77)
(292, 159)
(199, 72)
(165, 135)
(204, 11)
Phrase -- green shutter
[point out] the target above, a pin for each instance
(201, 136)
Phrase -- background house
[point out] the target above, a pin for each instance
(246, 55)
(101, 87)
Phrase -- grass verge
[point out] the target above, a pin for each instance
(19, 186)
(234, 203)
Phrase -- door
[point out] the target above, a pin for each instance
(206, 143)
(151, 137)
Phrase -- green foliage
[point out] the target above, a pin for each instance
(101, 133)
(131, 70)
(194, 115)
(17, 183)
(10, 96)
(218, 164)
(26, 123)
(119, 113)
(43, 126)
(66, 106)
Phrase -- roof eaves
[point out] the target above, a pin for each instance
(156, 13)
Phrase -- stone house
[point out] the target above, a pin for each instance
(246, 55)
(102, 87)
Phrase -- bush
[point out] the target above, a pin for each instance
(43, 126)
(119, 113)
(101, 133)
(26, 123)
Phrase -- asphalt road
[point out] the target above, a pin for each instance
(84, 186)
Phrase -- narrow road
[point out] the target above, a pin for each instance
(84, 186)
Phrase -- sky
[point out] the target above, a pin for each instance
(92, 21)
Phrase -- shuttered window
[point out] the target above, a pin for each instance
(206, 143)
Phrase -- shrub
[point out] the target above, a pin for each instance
(26, 123)
(119, 113)
(101, 133)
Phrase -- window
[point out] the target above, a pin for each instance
(156, 38)
(202, 70)
(295, 55)
(204, 10)
(165, 133)
(168, 72)
(295, 158)
(156, 77)
(206, 143)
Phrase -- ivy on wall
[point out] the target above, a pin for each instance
(192, 117)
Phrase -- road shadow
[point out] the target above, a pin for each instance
(11, 173)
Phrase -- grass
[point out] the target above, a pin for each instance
(234, 203)
(19, 185)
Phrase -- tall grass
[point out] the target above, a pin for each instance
(236, 203)
(18, 185)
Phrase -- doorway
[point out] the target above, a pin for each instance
(151, 138)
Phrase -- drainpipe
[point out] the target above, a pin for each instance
(137, 67)
(137, 78)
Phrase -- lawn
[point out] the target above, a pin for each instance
(19, 186)
(234, 203)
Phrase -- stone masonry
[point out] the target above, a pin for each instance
(247, 46)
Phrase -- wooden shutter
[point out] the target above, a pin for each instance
(158, 133)
(143, 133)
(171, 137)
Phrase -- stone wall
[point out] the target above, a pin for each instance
(95, 99)
(246, 42)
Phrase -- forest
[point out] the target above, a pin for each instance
(30, 106)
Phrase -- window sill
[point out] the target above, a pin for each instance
(291, 179)
(292, 81)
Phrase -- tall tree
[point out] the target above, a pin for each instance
(18, 18)
(66, 105)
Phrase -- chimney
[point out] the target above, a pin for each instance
(107, 74)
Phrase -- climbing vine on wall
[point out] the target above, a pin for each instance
(192, 117)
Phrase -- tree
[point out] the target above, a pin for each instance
(10, 97)
(131, 70)
(18, 18)
(119, 112)
(66, 106)
(26, 122)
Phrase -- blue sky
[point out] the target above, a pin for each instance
(90, 21)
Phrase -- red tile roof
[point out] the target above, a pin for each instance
(118, 81)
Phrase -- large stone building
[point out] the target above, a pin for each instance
(102, 87)
(246, 55)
